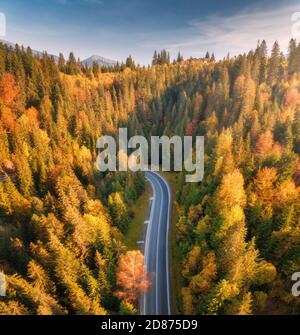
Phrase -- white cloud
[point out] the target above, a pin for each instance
(235, 34)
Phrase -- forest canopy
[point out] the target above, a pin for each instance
(62, 222)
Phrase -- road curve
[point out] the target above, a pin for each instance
(156, 249)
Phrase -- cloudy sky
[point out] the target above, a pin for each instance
(117, 28)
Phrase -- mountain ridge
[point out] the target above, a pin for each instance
(100, 60)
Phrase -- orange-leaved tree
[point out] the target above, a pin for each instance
(132, 276)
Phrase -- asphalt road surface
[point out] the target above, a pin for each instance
(156, 249)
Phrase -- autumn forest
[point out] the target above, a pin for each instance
(63, 223)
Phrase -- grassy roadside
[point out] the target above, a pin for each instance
(175, 264)
(139, 209)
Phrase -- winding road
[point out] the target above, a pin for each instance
(156, 301)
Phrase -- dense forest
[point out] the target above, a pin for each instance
(62, 222)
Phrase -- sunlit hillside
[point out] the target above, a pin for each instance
(63, 223)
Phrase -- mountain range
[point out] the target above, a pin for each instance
(102, 61)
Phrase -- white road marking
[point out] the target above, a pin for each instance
(149, 228)
(167, 247)
(147, 242)
(157, 250)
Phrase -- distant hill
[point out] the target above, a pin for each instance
(89, 61)
(99, 60)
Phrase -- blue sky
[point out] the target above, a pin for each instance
(117, 28)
